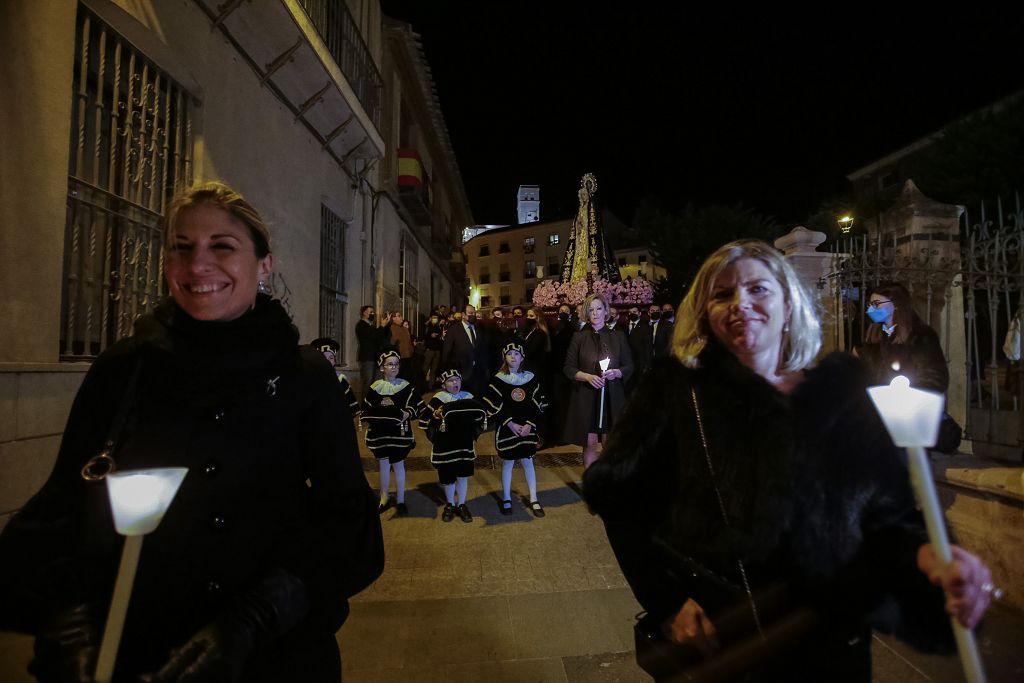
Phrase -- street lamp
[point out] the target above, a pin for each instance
(845, 223)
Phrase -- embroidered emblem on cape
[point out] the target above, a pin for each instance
(386, 401)
(518, 394)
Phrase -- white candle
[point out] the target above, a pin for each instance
(912, 418)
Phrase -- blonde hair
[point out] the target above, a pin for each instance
(800, 343)
(591, 298)
(221, 196)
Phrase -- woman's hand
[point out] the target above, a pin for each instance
(613, 373)
(595, 381)
(966, 581)
(692, 627)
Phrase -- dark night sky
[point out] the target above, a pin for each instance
(660, 99)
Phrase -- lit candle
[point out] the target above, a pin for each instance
(138, 500)
(912, 418)
(603, 363)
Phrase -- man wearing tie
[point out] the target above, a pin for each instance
(661, 332)
(640, 345)
(465, 349)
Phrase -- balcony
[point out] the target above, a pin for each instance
(414, 186)
(311, 55)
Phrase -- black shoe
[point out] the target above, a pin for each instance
(464, 513)
(535, 506)
(401, 510)
(506, 507)
(448, 514)
(381, 507)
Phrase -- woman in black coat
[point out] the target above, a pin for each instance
(274, 527)
(759, 507)
(898, 342)
(586, 423)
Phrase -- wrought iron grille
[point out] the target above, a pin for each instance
(340, 33)
(332, 277)
(131, 150)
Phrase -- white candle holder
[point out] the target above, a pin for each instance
(912, 418)
(603, 363)
(138, 500)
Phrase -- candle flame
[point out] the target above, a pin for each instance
(900, 382)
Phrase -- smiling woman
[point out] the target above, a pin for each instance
(217, 252)
(756, 504)
(274, 526)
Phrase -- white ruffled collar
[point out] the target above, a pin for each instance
(445, 397)
(517, 379)
(386, 388)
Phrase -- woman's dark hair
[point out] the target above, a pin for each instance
(903, 315)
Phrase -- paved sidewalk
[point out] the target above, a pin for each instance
(515, 598)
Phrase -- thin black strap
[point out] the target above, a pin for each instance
(99, 466)
(721, 507)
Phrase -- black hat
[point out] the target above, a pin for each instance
(387, 354)
(448, 374)
(514, 346)
(325, 344)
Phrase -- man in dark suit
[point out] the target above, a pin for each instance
(369, 346)
(638, 332)
(661, 333)
(466, 348)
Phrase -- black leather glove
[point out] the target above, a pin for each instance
(220, 651)
(67, 646)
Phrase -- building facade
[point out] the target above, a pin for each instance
(119, 104)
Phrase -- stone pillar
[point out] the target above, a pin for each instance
(800, 248)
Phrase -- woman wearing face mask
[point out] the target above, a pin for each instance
(598, 393)
(536, 341)
(248, 575)
(898, 342)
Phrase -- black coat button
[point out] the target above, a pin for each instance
(219, 523)
(211, 468)
(219, 415)
(212, 587)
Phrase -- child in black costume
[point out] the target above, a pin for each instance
(453, 419)
(330, 348)
(516, 403)
(388, 407)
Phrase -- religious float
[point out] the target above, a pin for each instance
(588, 265)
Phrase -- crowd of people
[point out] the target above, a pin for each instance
(755, 503)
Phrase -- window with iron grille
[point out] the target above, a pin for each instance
(530, 269)
(485, 275)
(333, 300)
(529, 295)
(552, 238)
(131, 150)
(407, 267)
(506, 296)
(529, 244)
